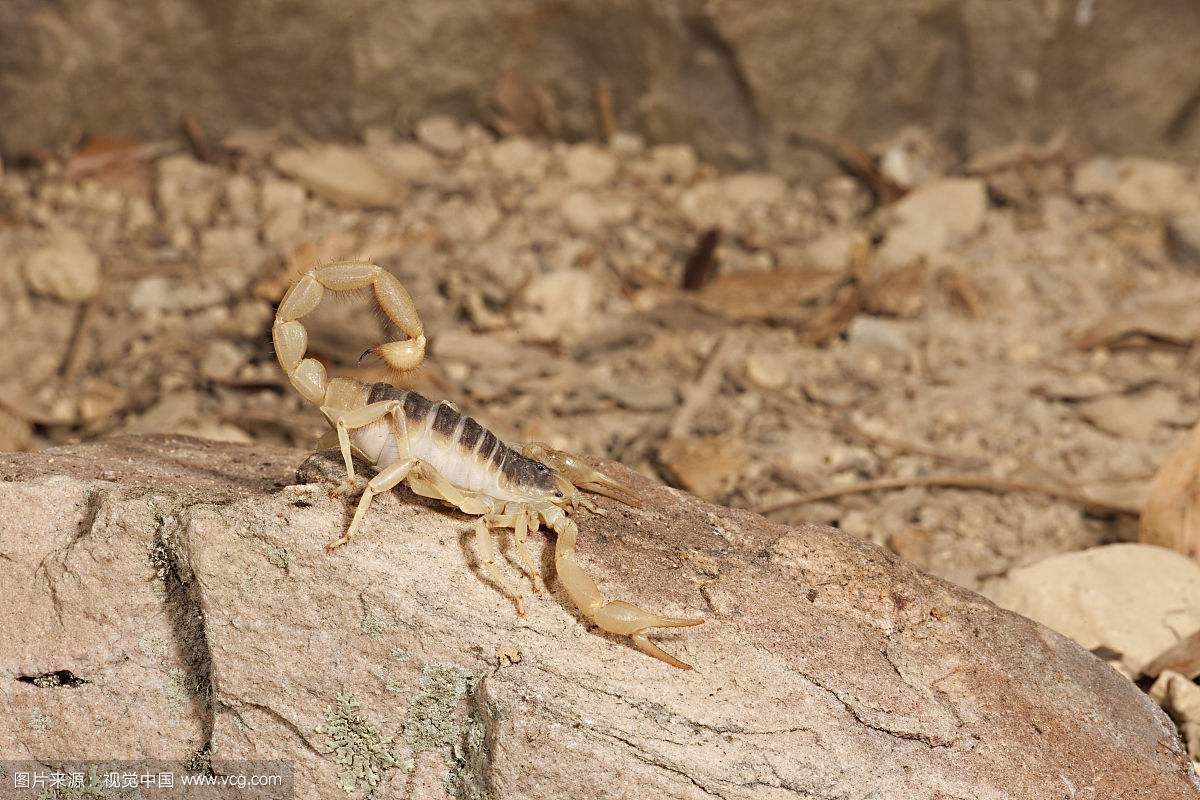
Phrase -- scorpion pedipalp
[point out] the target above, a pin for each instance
(573, 469)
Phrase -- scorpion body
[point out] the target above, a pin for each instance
(440, 453)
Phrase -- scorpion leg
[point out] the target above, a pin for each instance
(573, 468)
(614, 616)
(347, 420)
(521, 533)
(427, 481)
(487, 557)
(387, 478)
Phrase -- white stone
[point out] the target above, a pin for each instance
(441, 134)
(1141, 185)
(407, 160)
(877, 335)
(751, 188)
(1135, 599)
(831, 251)
(938, 215)
(188, 189)
(675, 162)
(589, 165)
(283, 211)
(345, 176)
(582, 213)
(67, 269)
(517, 157)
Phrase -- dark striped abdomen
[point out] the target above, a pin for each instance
(466, 453)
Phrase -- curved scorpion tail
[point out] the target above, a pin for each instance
(307, 375)
(614, 616)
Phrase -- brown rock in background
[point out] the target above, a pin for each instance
(186, 583)
(735, 78)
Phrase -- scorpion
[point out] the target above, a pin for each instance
(443, 454)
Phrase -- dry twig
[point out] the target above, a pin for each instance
(981, 482)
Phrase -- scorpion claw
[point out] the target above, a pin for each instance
(617, 616)
(573, 468)
(602, 484)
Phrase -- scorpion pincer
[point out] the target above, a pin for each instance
(443, 454)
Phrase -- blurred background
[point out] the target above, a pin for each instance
(925, 270)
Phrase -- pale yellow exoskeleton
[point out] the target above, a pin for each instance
(443, 454)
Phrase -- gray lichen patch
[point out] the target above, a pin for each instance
(436, 720)
(363, 754)
(279, 557)
(432, 720)
(468, 776)
(39, 722)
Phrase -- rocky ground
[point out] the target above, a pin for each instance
(977, 364)
(1028, 316)
(170, 597)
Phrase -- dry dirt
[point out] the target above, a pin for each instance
(1026, 324)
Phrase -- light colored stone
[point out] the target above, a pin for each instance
(283, 211)
(232, 246)
(441, 134)
(563, 305)
(407, 160)
(517, 157)
(1133, 416)
(589, 165)
(938, 215)
(344, 176)
(188, 190)
(66, 269)
(582, 213)
(1134, 599)
(1141, 185)
(831, 251)
(221, 360)
(877, 335)
(754, 188)
(676, 162)
(767, 370)
(195, 597)
(241, 199)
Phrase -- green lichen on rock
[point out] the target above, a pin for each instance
(468, 776)
(362, 753)
(39, 722)
(435, 721)
(280, 557)
(432, 720)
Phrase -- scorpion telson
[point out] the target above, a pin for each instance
(441, 453)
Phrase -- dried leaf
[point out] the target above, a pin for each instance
(963, 291)
(524, 108)
(701, 267)
(1171, 517)
(123, 163)
(785, 296)
(898, 292)
(1172, 321)
(708, 467)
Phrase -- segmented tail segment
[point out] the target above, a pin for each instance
(291, 339)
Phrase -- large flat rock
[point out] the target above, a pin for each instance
(185, 581)
(734, 78)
